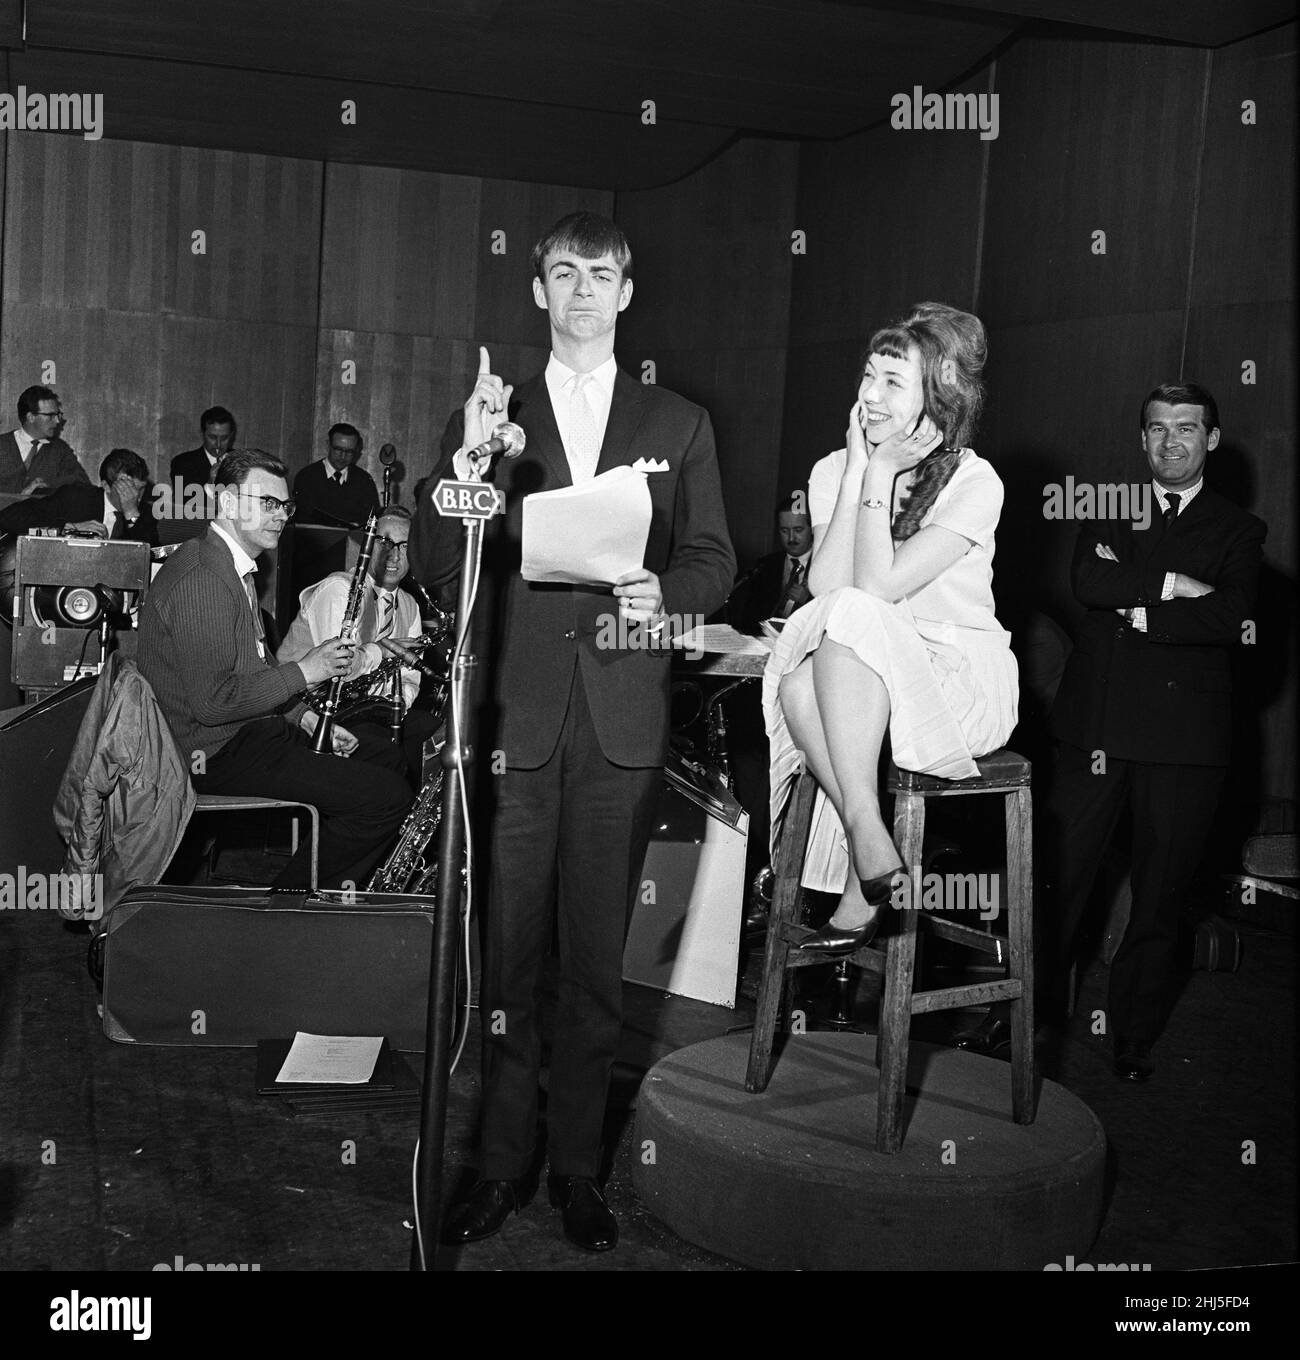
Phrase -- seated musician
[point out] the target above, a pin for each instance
(118, 508)
(234, 711)
(388, 615)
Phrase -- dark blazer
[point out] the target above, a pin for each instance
(69, 504)
(54, 461)
(1162, 696)
(529, 635)
(192, 467)
(198, 649)
(322, 501)
(758, 594)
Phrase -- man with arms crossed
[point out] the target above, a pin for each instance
(1142, 716)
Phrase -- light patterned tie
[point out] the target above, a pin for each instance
(584, 441)
(385, 626)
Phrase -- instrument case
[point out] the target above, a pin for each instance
(225, 967)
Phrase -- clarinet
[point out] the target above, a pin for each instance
(321, 742)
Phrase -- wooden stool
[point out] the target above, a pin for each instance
(893, 954)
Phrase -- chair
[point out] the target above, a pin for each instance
(223, 802)
(893, 954)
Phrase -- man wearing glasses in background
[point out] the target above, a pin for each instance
(388, 614)
(33, 458)
(235, 711)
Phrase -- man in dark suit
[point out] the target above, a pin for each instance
(333, 490)
(777, 584)
(195, 467)
(117, 508)
(234, 711)
(32, 457)
(1142, 715)
(579, 723)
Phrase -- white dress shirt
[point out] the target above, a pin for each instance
(243, 565)
(1138, 616)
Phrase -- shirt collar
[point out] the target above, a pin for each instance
(330, 470)
(21, 437)
(558, 374)
(243, 563)
(1185, 498)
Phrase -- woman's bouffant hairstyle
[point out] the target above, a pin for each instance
(951, 399)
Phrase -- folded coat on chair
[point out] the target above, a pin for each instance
(126, 797)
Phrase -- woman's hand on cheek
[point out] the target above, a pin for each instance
(903, 451)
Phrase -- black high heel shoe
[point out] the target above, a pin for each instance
(833, 939)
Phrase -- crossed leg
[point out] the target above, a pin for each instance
(837, 710)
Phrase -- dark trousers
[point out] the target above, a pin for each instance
(573, 833)
(362, 799)
(1171, 808)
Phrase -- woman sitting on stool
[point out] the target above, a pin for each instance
(900, 633)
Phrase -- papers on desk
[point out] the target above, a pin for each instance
(339, 1060)
(722, 637)
(587, 535)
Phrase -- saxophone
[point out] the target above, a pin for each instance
(321, 742)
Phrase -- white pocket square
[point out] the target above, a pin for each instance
(650, 465)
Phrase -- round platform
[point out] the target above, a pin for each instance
(790, 1179)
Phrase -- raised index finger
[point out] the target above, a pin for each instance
(484, 363)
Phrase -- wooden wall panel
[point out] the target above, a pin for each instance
(406, 388)
(106, 370)
(262, 372)
(398, 251)
(100, 278)
(1063, 401)
(1094, 136)
(892, 218)
(711, 306)
(1255, 466)
(1246, 227)
(261, 215)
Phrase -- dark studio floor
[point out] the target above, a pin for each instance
(119, 1157)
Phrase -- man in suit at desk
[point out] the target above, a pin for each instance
(32, 457)
(118, 507)
(334, 490)
(582, 726)
(777, 584)
(1143, 716)
(195, 467)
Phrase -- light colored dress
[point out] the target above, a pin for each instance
(944, 658)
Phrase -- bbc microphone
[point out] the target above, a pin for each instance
(508, 441)
(388, 455)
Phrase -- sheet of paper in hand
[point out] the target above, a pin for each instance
(587, 535)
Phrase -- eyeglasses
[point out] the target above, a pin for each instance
(50, 415)
(395, 545)
(272, 503)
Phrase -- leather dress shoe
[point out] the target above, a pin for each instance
(588, 1221)
(992, 1034)
(482, 1211)
(1133, 1059)
(831, 939)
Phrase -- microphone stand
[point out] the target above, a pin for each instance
(457, 760)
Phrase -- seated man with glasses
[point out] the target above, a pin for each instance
(235, 711)
(387, 614)
(33, 458)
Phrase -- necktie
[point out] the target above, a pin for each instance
(386, 610)
(584, 443)
(1171, 510)
(36, 444)
(251, 591)
(789, 604)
